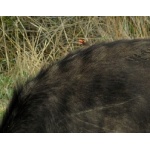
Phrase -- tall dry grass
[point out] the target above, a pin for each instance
(27, 43)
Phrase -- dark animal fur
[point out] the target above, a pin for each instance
(103, 88)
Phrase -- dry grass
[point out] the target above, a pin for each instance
(27, 43)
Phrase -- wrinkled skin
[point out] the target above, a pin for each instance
(103, 88)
